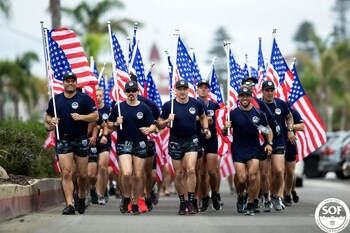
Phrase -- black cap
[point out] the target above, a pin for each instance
(69, 74)
(181, 83)
(268, 84)
(133, 77)
(244, 90)
(203, 82)
(131, 85)
(254, 80)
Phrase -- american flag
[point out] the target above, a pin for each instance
(133, 44)
(113, 162)
(167, 159)
(196, 73)
(110, 88)
(236, 76)
(261, 72)
(215, 92)
(50, 142)
(121, 70)
(279, 72)
(185, 66)
(152, 90)
(226, 165)
(253, 72)
(66, 54)
(103, 84)
(159, 158)
(137, 68)
(315, 132)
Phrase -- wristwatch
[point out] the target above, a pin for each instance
(270, 143)
(290, 129)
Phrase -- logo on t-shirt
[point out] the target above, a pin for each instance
(255, 119)
(75, 105)
(278, 111)
(139, 115)
(104, 116)
(192, 110)
(211, 112)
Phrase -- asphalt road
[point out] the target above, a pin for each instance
(164, 218)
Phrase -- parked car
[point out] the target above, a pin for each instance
(329, 157)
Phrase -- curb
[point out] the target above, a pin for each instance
(16, 200)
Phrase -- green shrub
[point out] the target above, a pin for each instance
(22, 151)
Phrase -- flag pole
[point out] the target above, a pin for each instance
(45, 57)
(210, 70)
(176, 41)
(101, 72)
(268, 61)
(227, 50)
(114, 71)
(248, 66)
(48, 72)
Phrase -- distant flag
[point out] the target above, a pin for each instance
(261, 72)
(185, 66)
(66, 54)
(152, 90)
(279, 72)
(132, 44)
(252, 73)
(110, 88)
(215, 92)
(195, 70)
(137, 68)
(315, 132)
(122, 75)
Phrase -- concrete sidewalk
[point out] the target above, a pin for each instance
(16, 200)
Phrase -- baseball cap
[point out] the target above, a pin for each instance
(254, 80)
(69, 74)
(244, 90)
(131, 85)
(203, 82)
(133, 77)
(268, 84)
(181, 83)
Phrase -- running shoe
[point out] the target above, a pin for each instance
(68, 210)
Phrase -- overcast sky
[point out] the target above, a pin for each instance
(197, 20)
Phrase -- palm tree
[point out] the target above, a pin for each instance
(17, 83)
(5, 8)
(326, 78)
(88, 21)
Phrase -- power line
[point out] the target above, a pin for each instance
(21, 33)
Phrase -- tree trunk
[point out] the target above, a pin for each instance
(55, 8)
(2, 117)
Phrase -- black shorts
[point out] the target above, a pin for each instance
(151, 149)
(275, 150)
(237, 159)
(179, 146)
(93, 154)
(291, 152)
(137, 148)
(79, 146)
(210, 146)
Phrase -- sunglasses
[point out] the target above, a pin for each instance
(252, 84)
(131, 90)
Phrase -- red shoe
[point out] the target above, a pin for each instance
(142, 205)
(130, 207)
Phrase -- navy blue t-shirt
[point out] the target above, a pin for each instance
(279, 110)
(292, 149)
(245, 141)
(134, 117)
(185, 124)
(80, 103)
(155, 109)
(104, 112)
